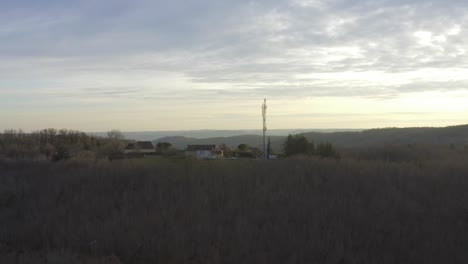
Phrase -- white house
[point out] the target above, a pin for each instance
(203, 151)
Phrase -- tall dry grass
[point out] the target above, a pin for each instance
(243, 211)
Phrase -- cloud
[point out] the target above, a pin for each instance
(166, 52)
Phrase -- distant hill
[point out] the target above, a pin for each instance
(207, 133)
(457, 135)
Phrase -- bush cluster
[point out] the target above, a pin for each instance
(53, 144)
(300, 145)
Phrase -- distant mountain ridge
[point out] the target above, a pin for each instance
(211, 133)
(456, 135)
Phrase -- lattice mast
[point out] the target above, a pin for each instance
(264, 114)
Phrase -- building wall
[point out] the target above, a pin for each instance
(200, 154)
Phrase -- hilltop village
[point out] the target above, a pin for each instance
(140, 149)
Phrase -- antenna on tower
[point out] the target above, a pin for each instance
(264, 114)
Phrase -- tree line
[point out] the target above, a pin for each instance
(299, 145)
(53, 144)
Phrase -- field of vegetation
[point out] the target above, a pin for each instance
(357, 209)
(63, 199)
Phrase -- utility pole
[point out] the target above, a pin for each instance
(264, 114)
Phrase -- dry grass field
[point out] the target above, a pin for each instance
(299, 210)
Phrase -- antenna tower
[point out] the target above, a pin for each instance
(264, 114)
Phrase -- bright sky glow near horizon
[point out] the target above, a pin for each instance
(205, 64)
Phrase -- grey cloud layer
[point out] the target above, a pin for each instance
(248, 48)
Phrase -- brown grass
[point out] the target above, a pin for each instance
(244, 211)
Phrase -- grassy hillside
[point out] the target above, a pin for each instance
(284, 211)
(456, 135)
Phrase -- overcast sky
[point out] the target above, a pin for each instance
(195, 64)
